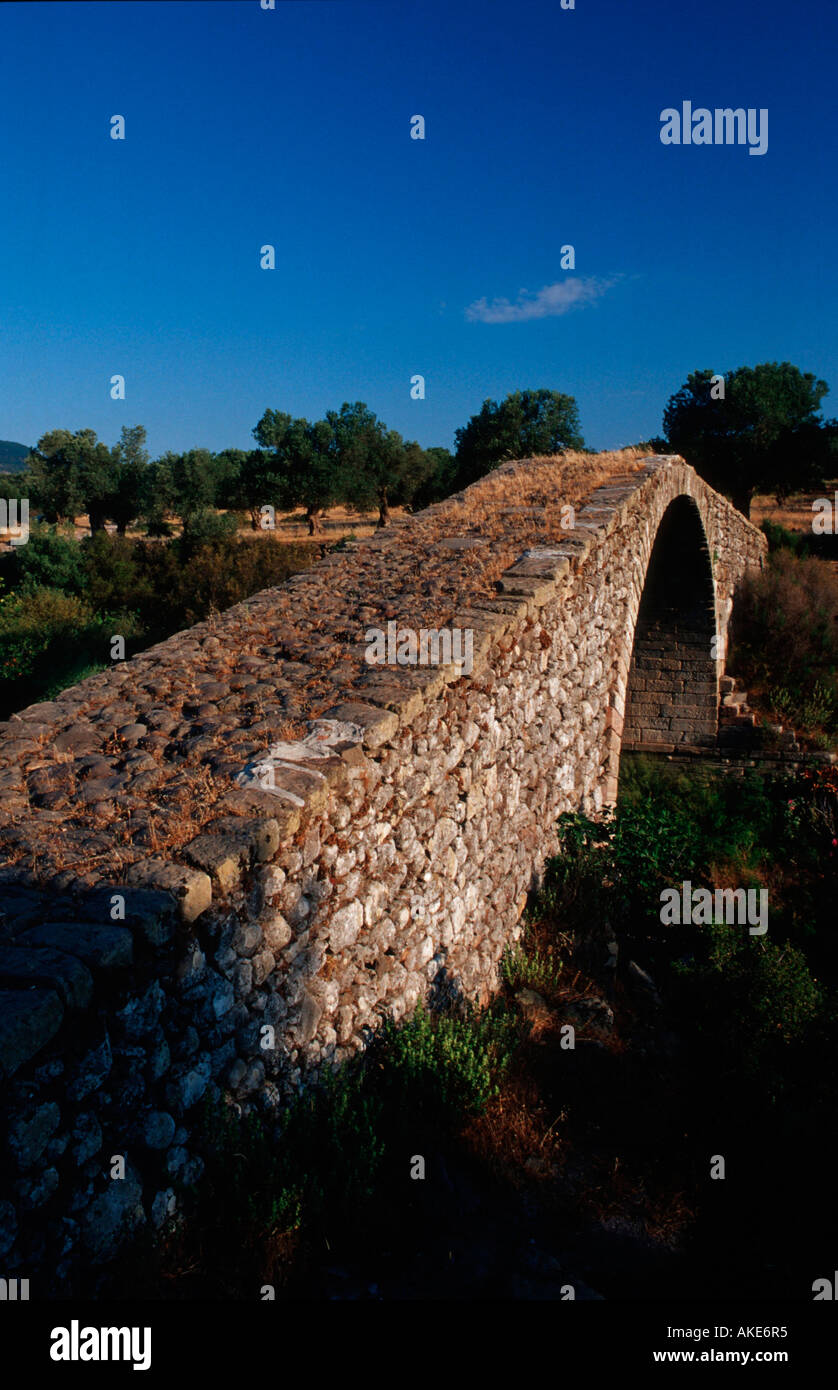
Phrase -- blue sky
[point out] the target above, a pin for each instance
(292, 127)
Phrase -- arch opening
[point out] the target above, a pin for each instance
(672, 695)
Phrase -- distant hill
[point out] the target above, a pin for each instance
(12, 456)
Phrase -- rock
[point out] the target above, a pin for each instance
(163, 1206)
(232, 844)
(141, 1015)
(534, 1007)
(192, 968)
(87, 1133)
(345, 926)
(309, 1018)
(243, 979)
(90, 1071)
(183, 1167)
(78, 741)
(643, 982)
(299, 911)
(254, 1078)
(444, 832)
(269, 882)
(132, 733)
(375, 726)
(186, 1090)
(53, 969)
(275, 930)
(226, 959)
(191, 889)
(590, 1011)
(56, 1147)
(151, 915)
(159, 1060)
(223, 999)
(236, 1074)
(158, 1130)
(34, 1192)
(247, 940)
(112, 1217)
(20, 908)
(28, 1134)
(29, 1019)
(263, 965)
(101, 948)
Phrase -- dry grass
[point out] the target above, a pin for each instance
(290, 526)
(516, 1139)
(548, 481)
(795, 514)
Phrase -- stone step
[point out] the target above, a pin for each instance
(739, 726)
(743, 718)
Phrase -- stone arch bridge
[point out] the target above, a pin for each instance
(231, 855)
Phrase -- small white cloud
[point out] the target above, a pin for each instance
(546, 303)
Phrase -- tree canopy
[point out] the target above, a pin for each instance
(303, 469)
(524, 424)
(72, 473)
(377, 467)
(349, 458)
(127, 496)
(760, 432)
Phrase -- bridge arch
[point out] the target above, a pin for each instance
(672, 687)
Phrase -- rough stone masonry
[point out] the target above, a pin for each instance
(229, 858)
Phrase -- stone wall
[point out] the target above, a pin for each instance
(260, 856)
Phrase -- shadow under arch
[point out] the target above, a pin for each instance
(672, 693)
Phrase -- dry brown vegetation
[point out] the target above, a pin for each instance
(795, 513)
(290, 526)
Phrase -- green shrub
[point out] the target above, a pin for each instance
(332, 1139)
(43, 627)
(246, 1185)
(48, 640)
(819, 707)
(670, 826)
(51, 559)
(779, 538)
(755, 997)
(448, 1064)
(324, 1155)
(528, 966)
(52, 634)
(204, 527)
